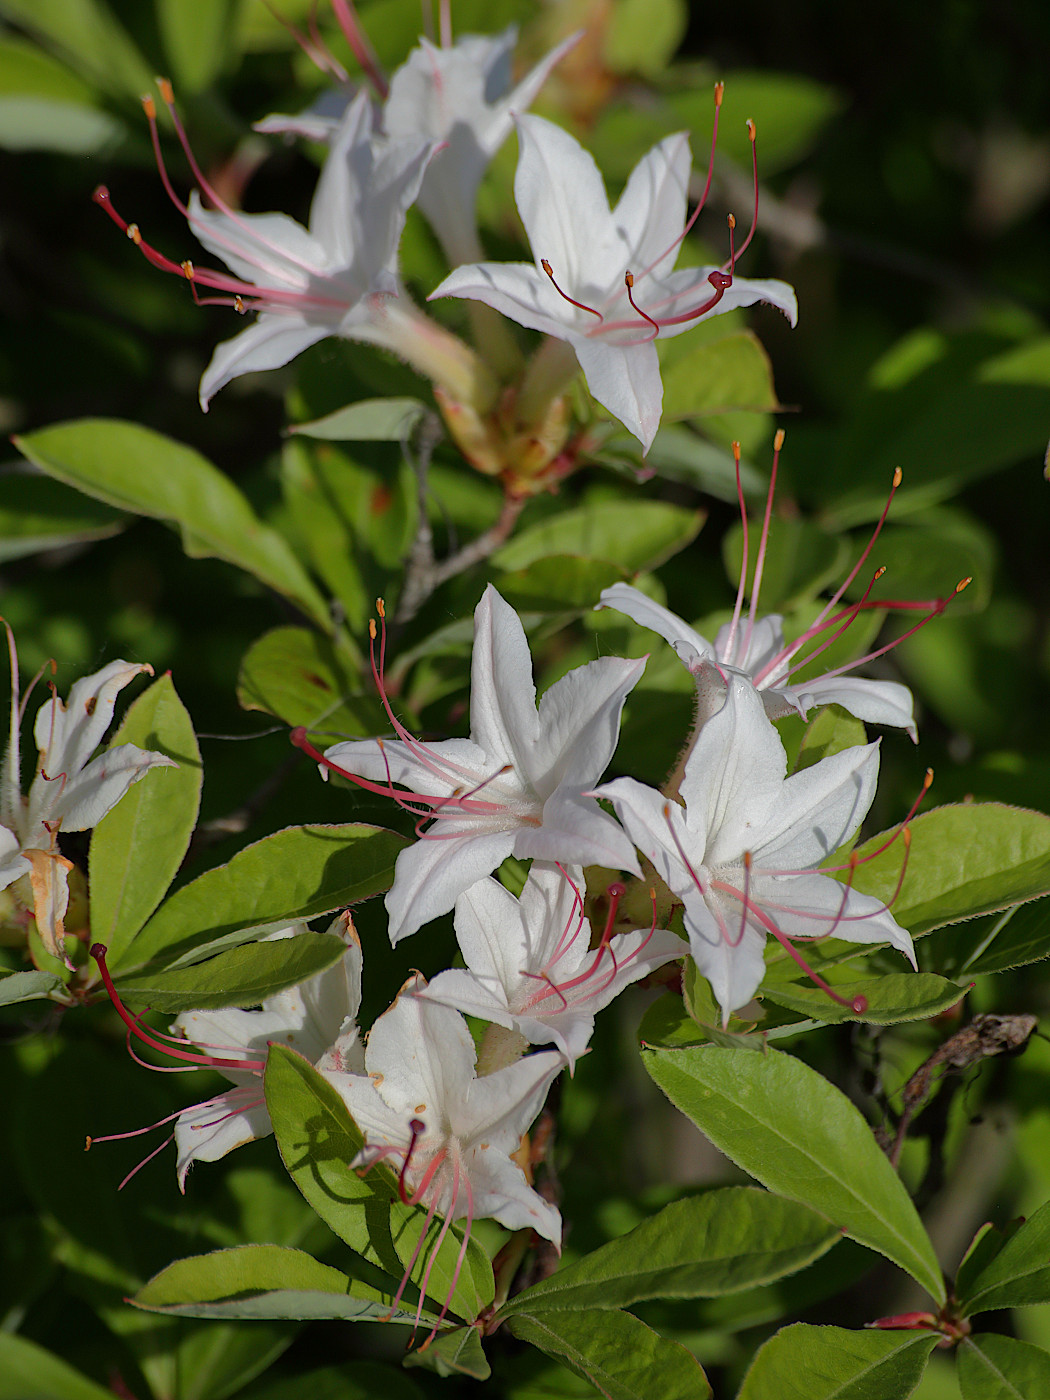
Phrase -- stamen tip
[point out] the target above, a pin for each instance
(751, 130)
(720, 89)
(372, 628)
(87, 1143)
(963, 583)
(735, 448)
(381, 607)
(778, 440)
(97, 951)
(167, 92)
(898, 477)
(731, 220)
(546, 267)
(149, 106)
(628, 278)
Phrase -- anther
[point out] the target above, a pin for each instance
(381, 607)
(778, 439)
(167, 92)
(149, 106)
(963, 583)
(187, 269)
(751, 130)
(720, 89)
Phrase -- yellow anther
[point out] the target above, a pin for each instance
(149, 106)
(380, 607)
(751, 130)
(167, 93)
(898, 477)
(963, 583)
(720, 89)
(372, 628)
(731, 220)
(132, 232)
(778, 440)
(187, 270)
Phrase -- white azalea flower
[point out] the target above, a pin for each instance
(529, 964)
(338, 277)
(515, 787)
(422, 1102)
(318, 1018)
(743, 852)
(576, 288)
(71, 791)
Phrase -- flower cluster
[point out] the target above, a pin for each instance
(602, 282)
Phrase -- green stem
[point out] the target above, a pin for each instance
(549, 374)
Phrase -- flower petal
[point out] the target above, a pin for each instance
(688, 644)
(730, 954)
(274, 340)
(503, 719)
(209, 1130)
(431, 875)
(817, 810)
(100, 786)
(625, 380)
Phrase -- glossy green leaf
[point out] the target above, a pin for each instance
(1019, 1275)
(719, 377)
(136, 469)
(318, 1140)
(28, 1372)
(700, 1247)
(801, 1137)
(297, 873)
(86, 32)
(241, 976)
(559, 583)
(196, 39)
(26, 986)
(679, 454)
(926, 556)
(980, 1252)
(892, 998)
(137, 848)
(968, 859)
(993, 1367)
(263, 1281)
(1014, 939)
(667, 1025)
(37, 513)
(369, 420)
(620, 1356)
(299, 676)
(633, 534)
(831, 1363)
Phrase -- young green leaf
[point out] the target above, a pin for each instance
(299, 676)
(633, 534)
(137, 848)
(1019, 1275)
(620, 1356)
(26, 986)
(297, 873)
(830, 1363)
(136, 469)
(801, 1137)
(993, 1367)
(699, 1247)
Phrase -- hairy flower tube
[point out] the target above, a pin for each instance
(515, 787)
(743, 849)
(318, 1018)
(71, 791)
(529, 961)
(448, 1133)
(339, 277)
(753, 645)
(602, 280)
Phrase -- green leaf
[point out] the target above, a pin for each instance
(829, 732)
(926, 557)
(196, 39)
(48, 124)
(633, 534)
(137, 848)
(136, 469)
(966, 859)
(86, 33)
(667, 1025)
(457, 1352)
(560, 583)
(297, 873)
(365, 1380)
(992, 1367)
(26, 986)
(1014, 939)
(801, 1137)
(300, 677)
(238, 977)
(1019, 1275)
(369, 420)
(892, 998)
(788, 109)
(37, 513)
(830, 1363)
(621, 1357)
(720, 377)
(700, 1247)
(263, 1281)
(679, 454)
(28, 1372)
(980, 1252)
(318, 1140)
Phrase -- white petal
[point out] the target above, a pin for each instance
(688, 289)
(874, 702)
(274, 340)
(576, 830)
(518, 291)
(818, 809)
(731, 957)
(649, 817)
(431, 875)
(101, 785)
(688, 644)
(625, 380)
(434, 770)
(503, 719)
(266, 250)
(502, 1193)
(815, 906)
(422, 1057)
(579, 724)
(208, 1131)
(68, 734)
(651, 212)
(493, 934)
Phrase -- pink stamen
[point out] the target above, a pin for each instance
(571, 300)
(739, 604)
(314, 46)
(752, 134)
(760, 558)
(628, 279)
(416, 1129)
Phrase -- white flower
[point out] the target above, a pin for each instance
(530, 966)
(318, 1018)
(422, 1101)
(755, 648)
(461, 96)
(583, 298)
(71, 791)
(515, 787)
(743, 853)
